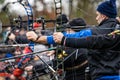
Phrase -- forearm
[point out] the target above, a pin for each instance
(45, 40)
(74, 42)
(82, 33)
(42, 39)
(21, 39)
(94, 42)
(36, 38)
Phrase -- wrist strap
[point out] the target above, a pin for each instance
(63, 39)
(37, 38)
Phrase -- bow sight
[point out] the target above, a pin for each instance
(43, 21)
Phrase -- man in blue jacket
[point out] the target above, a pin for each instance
(75, 65)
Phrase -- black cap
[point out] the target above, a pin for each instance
(61, 19)
(75, 23)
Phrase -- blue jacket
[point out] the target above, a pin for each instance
(109, 78)
(82, 33)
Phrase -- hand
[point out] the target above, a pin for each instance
(58, 37)
(50, 53)
(31, 35)
(118, 18)
(12, 77)
(11, 36)
(29, 68)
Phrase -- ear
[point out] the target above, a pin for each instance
(104, 16)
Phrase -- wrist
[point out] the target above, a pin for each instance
(37, 38)
(63, 39)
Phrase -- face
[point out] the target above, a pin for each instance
(100, 17)
(38, 30)
(118, 18)
(68, 30)
(22, 32)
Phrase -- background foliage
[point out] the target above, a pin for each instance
(83, 8)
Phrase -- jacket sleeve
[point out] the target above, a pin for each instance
(22, 39)
(50, 40)
(93, 42)
(82, 33)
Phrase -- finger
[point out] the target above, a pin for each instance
(54, 37)
(55, 40)
(50, 54)
(54, 34)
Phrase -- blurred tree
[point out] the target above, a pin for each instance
(77, 8)
(3, 14)
(118, 7)
(1, 1)
(84, 9)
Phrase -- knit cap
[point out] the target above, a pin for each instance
(108, 8)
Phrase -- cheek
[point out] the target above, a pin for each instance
(97, 17)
